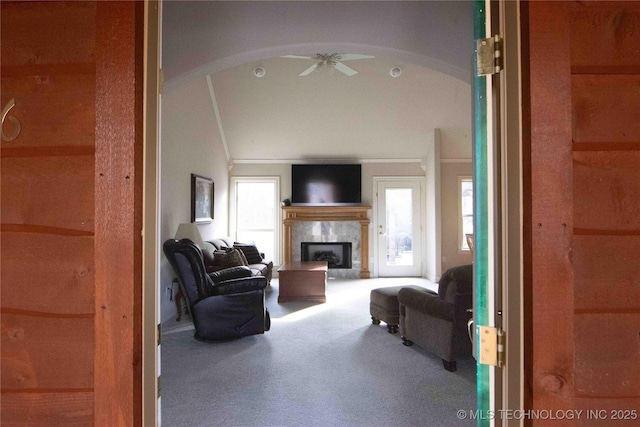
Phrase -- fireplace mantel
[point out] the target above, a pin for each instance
(360, 214)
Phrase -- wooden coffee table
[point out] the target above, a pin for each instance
(303, 281)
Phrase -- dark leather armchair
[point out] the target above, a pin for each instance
(224, 305)
(438, 322)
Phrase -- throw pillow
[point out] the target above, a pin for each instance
(250, 252)
(228, 258)
(244, 258)
(207, 256)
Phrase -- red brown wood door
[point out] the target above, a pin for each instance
(71, 208)
(585, 207)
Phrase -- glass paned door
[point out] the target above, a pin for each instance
(399, 225)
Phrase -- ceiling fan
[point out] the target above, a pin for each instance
(328, 60)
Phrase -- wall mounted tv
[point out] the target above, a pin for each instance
(326, 185)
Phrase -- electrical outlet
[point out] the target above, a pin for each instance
(444, 259)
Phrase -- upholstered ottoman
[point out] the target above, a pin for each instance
(383, 306)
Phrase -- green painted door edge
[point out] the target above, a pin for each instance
(480, 215)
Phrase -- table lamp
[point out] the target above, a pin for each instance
(189, 231)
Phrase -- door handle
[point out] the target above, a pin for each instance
(470, 331)
(470, 324)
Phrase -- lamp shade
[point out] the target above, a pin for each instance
(189, 231)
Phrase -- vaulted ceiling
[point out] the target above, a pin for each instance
(327, 114)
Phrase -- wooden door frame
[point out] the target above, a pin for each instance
(127, 169)
(118, 180)
(151, 199)
(514, 191)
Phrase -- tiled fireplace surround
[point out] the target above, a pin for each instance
(329, 224)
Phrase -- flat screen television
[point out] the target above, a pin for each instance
(326, 185)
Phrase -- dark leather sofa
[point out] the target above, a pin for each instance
(226, 304)
(256, 261)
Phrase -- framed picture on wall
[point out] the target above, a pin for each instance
(201, 199)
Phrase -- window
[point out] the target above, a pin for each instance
(465, 186)
(255, 213)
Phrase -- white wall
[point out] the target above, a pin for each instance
(433, 231)
(455, 143)
(189, 144)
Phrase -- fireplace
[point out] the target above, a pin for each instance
(337, 254)
(329, 224)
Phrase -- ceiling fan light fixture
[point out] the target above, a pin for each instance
(259, 72)
(330, 62)
(395, 72)
(327, 59)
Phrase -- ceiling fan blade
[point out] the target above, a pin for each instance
(308, 70)
(347, 70)
(351, 56)
(296, 57)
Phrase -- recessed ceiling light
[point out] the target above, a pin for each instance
(395, 72)
(259, 72)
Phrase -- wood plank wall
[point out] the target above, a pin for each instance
(64, 62)
(48, 276)
(552, 209)
(605, 97)
(585, 174)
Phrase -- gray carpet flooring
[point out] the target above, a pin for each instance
(319, 365)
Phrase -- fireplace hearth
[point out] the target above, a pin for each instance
(337, 254)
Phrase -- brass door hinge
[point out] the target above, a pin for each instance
(492, 346)
(489, 56)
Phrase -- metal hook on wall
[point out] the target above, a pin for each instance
(16, 122)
